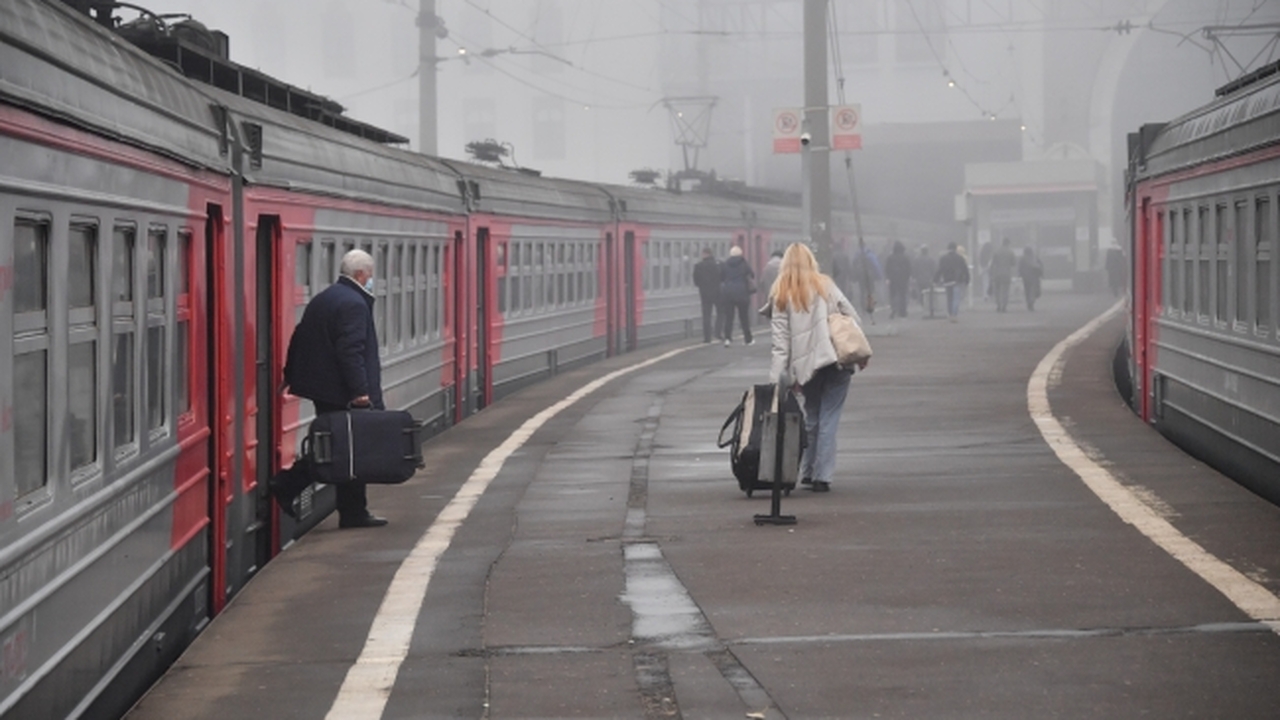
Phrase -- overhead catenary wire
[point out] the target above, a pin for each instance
(838, 61)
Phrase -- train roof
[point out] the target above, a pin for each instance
(60, 64)
(308, 156)
(1246, 118)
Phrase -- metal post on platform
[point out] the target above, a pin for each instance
(817, 112)
(779, 420)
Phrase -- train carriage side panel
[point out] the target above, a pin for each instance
(103, 531)
(532, 246)
(1212, 351)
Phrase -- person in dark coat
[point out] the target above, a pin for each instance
(333, 362)
(1031, 270)
(1000, 270)
(706, 276)
(953, 274)
(898, 270)
(735, 295)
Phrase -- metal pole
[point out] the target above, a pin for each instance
(817, 114)
(806, 190)
(428, 22)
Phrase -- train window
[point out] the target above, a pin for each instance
(82, 251)
(1187, 284)
(155, 263)
(411, 289)
(667, 261)
(155, 377)
(1265, 244)
(122, 266)
(644, 266)
(82, 403)
(122, 389)
(1223, 240)
(395, 294)
(122, 336)
(182, 328)
(328, 262)
(1243, 254)
(1204, 249)
(1171, 256)
(30, 267)
(302, 267)
(157, 316)
(30, 427)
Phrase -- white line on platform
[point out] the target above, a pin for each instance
(367, 687)
(1255, 600)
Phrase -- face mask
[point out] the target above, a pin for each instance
(368, 286)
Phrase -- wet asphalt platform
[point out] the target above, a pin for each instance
(611, 567)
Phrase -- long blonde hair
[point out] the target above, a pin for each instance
(799, 280)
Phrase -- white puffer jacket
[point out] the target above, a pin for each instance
(802, 340)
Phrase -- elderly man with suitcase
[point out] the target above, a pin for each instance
(333, 362)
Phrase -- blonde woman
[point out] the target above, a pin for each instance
(799, 302)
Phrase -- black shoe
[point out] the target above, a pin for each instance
(806, 481)
(285, 502)
(821, 486)
(366, 520)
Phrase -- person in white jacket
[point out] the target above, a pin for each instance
(799, 302)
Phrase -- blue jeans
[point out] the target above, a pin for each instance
(823, 400)
(954, 293)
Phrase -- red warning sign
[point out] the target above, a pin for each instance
(846, 127)
(786, 130)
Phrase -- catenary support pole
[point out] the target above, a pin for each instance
(817, 114)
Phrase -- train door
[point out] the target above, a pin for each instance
(258, 542)
(221, 399)
(629, 289)
(609, 287)
(464, 376)
(482, 388)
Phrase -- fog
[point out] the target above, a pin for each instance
(595, 89)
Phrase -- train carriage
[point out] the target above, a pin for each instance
(1204, 193)
(110, 169)
(159, 240)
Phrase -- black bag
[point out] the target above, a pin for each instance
(744, 443)
(368, 446)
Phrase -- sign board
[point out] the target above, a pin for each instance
(846, 127)
(787, 127)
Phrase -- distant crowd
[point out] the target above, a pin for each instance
(937, 284)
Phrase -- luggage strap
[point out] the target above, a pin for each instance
(735, 419)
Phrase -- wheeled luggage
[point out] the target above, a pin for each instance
(753, 439)
(369, 446)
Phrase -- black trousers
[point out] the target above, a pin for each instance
(710, 309)
(353, 500)
(727, 310)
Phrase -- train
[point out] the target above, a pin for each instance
(1203, 358)
(165, 216)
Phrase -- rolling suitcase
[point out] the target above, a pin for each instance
(752, 441)
(369, 446)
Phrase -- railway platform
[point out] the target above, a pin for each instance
(1004, 539)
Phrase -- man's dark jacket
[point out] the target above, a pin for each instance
(706, 275)
(333, 354)
(735, 280)
(952, 269)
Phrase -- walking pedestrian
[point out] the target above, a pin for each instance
(706, 276)
(736, 288)
(803, 356)
(898, 270)
(333, 362)
(1001, 271)
(953, 274)
(1031, 270)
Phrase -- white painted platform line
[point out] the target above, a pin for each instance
(367, 686)
(1255, 600)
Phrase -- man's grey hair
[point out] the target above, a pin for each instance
(355, 261)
